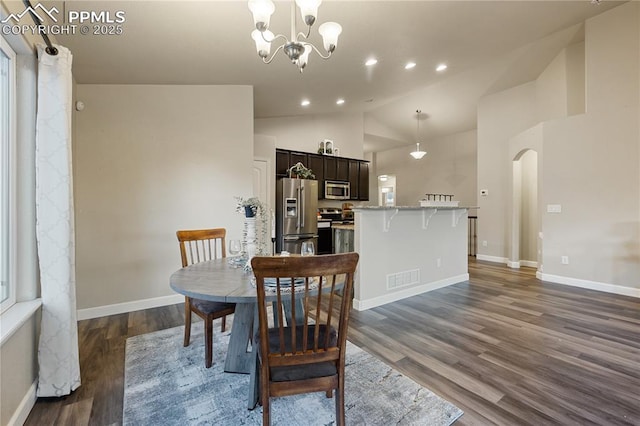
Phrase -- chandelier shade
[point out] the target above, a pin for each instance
(263, 42)
(297, 48)
(418, 154)
(262, 11)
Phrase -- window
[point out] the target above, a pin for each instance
(7, 173)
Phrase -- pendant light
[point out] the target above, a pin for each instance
(418, 154)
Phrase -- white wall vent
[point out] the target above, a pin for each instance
(403, 279)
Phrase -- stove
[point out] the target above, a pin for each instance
(331, 213)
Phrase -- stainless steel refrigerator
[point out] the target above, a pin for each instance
(296, 214)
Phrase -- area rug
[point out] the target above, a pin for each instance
(167, 384)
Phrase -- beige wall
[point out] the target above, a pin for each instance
(150, 160)
(575, 79)
(500, 117)
(611, 59)
(551, 89)
(529, 213)
(18, 367)
(306, 132)
(598, 228)
(448, 168)
(590, 164)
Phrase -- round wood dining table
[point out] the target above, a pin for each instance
(219, 281)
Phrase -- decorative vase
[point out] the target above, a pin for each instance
(250, 240)
(248, 212)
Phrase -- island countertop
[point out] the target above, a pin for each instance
(347, 227)
(411, 207)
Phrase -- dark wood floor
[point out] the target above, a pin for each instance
(505, 348)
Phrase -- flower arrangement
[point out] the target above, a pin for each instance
(299, 170)
(250, 206)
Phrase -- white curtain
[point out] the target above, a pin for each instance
(58, 350)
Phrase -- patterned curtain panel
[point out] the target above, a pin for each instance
(58, 349)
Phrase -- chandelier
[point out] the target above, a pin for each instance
(296, 48)
(418, 154)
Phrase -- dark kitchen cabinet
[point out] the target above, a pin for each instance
(354, 179)
(282, 163)
(298, 157)
(316, 164)
(363, 181)
(285, 159)
(342, 169)
(329, 167)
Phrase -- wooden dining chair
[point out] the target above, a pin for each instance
(197, 246)
(307, 353)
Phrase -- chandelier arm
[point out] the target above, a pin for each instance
(303, 35)
(275, 37)
(273, 55)
(318, 52)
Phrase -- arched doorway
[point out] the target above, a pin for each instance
(525, 249)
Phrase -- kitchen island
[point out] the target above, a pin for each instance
(343, 238)
(406, 251)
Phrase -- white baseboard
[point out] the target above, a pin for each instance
(509, 263)
(495, 259)
(592, 285)
(363, 305)
(121, 308)
(24, 408)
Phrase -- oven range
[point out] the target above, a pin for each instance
(326, 217)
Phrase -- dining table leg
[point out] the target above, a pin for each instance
(240, 358)
(254, 378)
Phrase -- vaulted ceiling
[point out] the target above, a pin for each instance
(488, 46)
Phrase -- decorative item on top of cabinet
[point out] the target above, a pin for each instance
(326, 147)
(300, 171)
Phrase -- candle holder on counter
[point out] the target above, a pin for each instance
(438, 200)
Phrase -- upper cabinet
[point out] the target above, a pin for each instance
(316, 164)
(328, 167)
(359, 180)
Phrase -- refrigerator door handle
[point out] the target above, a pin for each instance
(299, 208)
(302, 207)
(299, 237)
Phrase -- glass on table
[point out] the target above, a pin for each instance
(307, 248)
(235, 247)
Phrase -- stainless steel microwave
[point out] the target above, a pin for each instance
(336, 190)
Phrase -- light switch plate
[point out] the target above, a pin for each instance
(554, 208)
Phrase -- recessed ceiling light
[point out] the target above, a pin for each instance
(371, 61)
(340, 101)
(441, 67)
(409, 65)
(305, 102)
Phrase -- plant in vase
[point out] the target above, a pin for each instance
(254, 235)
(250, 207)
(299, 170)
